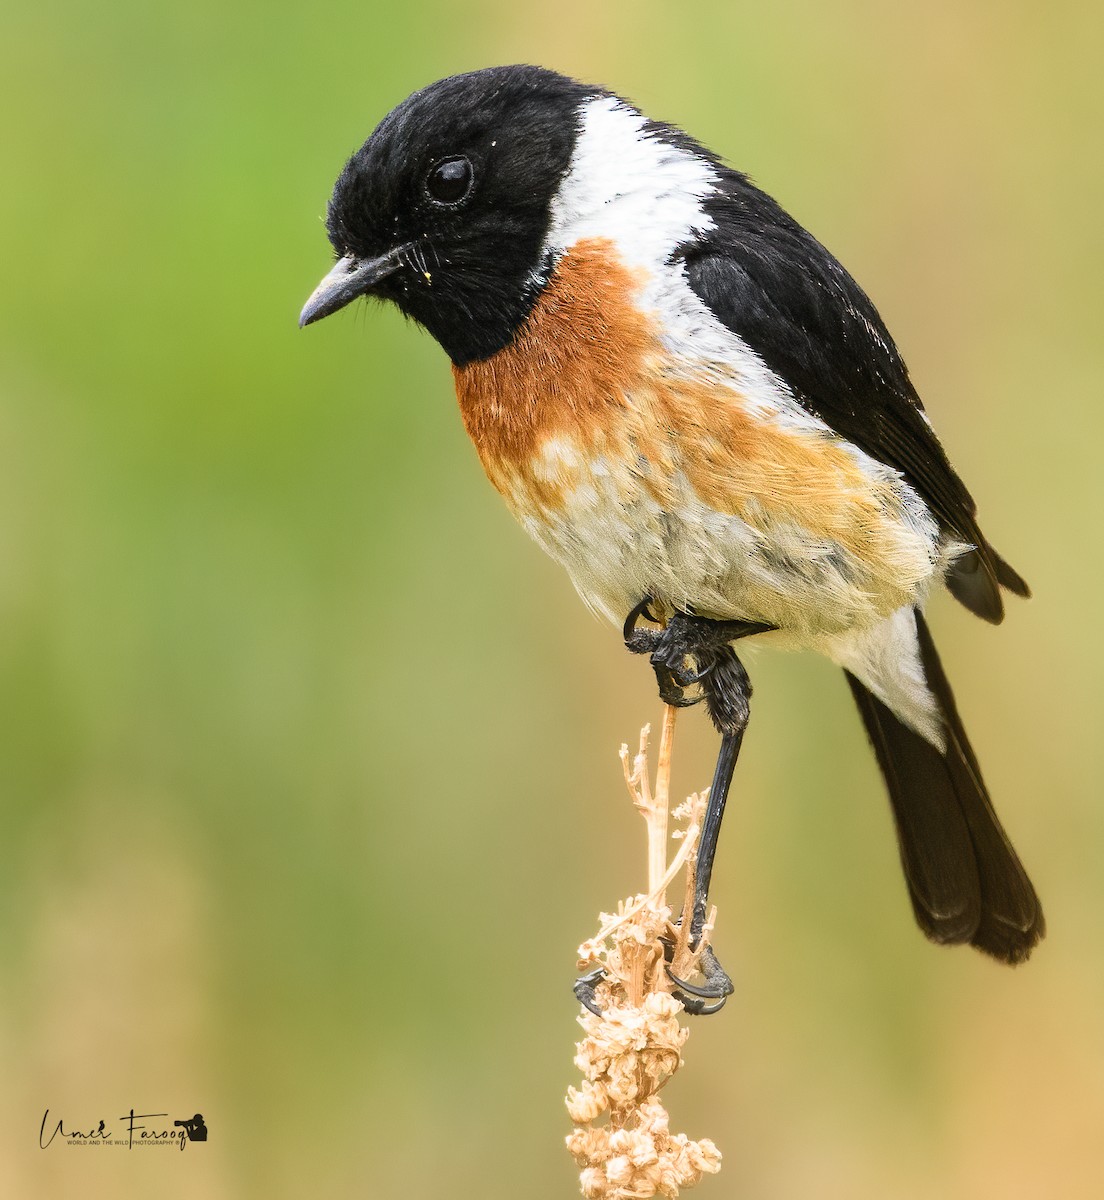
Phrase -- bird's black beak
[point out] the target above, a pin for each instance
(350, 278)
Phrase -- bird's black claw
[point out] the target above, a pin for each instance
(584, 988)
(698, 1008)
(671, 690)
(717, 987)
(641, 641)
(677, 665)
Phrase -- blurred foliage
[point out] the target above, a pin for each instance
(307, 757)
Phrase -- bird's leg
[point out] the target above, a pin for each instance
(727, 694)
(694, 650)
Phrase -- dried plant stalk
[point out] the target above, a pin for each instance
(622, 1140)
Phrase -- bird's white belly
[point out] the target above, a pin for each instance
(620, 543)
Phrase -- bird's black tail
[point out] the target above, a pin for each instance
(964, 878)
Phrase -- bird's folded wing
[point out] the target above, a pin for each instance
(773, 284)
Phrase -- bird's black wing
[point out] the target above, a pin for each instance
(773, 284)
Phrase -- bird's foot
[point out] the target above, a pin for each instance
(717, 987)
(699, 1000)
(586, 986)
(694, 997)
(672, 675)
(691, 650)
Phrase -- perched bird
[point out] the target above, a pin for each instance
(690, 404)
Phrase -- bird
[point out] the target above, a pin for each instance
(689, 403)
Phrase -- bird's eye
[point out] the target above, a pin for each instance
(450, 180)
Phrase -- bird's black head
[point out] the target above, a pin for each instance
(445, 208)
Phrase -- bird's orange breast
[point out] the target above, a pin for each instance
(583, 350)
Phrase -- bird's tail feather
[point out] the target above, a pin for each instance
(975, 579)
(964, 878)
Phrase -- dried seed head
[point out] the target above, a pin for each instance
(631, 1050)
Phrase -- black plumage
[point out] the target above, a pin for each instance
(964, 878)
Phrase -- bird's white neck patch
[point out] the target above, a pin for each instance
(630, 187)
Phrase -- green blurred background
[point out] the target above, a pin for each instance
(308, 758)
